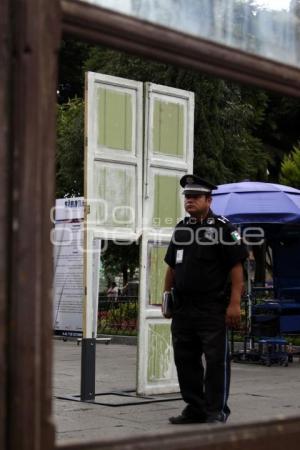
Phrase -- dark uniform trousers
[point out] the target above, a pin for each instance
(198, 329)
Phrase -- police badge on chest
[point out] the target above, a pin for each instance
(210, 234)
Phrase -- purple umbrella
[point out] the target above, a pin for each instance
(256, 202)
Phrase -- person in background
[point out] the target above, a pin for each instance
(205, 251)
(112, 291)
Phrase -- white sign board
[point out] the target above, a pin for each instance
(68, 242)
(68, 279)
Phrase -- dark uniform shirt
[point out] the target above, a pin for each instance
(202, 255)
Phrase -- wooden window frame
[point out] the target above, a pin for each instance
(30, 32)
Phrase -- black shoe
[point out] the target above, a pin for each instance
(212, 420)
(186, 419)
(216, 419)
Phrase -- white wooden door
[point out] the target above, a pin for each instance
(169, 128)
(113, 168)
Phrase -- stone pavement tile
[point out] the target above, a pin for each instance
(257, 393)
(97, 422)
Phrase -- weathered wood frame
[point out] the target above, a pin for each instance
(30, 32)
(142, 38)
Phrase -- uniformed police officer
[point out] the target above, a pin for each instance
(204, 260)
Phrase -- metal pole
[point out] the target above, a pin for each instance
(88, 360)
(249, 304)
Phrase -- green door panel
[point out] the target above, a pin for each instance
(117, 186)
(157, 274)
(115, 119)
(160, 352)
(167, 201)
(168, 124)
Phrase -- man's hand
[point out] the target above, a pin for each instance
(233, 312)
(233, 316)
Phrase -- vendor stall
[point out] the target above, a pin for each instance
(268, 216)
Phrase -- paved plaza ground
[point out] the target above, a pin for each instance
(257, 393)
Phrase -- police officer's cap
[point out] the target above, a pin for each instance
(195, 185)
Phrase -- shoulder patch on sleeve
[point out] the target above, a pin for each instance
(235, 235)
(222, 219)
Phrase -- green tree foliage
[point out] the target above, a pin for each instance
(71, 73)
(118, 259)
(290, 169)
(70, 149)
(226, 148)
(279, 131)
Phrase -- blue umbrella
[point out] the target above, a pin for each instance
(256, 202)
